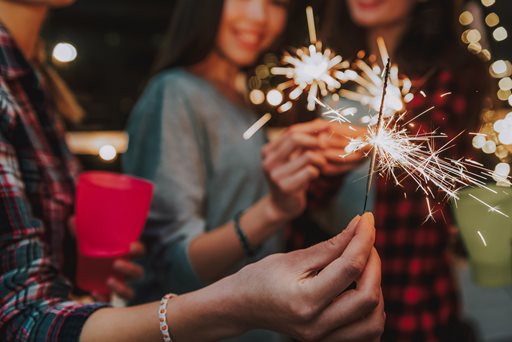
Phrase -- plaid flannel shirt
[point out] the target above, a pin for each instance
(420, 294)
(36, 193)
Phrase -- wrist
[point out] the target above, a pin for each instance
(225, 308)
(272, 213)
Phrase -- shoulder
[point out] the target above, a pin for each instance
(178, 83)
(169, 97)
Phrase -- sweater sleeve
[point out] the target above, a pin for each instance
(164, 148)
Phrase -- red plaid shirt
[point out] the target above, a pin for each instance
(36, 200)
(419, 292)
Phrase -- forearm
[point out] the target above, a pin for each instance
(204, 315)
(213, 254)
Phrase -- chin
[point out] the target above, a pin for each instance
(243, 60)
(366, 21)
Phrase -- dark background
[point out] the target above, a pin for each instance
(117, 41)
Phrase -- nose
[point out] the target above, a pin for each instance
(257, 10)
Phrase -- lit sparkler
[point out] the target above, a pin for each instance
(379, 124)
(311, 69)
(394, 148)
(370, 85)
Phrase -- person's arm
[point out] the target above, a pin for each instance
(301, 294)
(34, 296)
(164, 124)
(290, 163)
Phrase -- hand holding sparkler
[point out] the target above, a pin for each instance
(337, 139)
(291, 162)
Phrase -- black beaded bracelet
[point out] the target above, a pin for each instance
(248, 250)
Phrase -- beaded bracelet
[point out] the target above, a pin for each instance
(162, 317)
(248, 250)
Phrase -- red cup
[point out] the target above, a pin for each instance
(92, 274)
(110, 210)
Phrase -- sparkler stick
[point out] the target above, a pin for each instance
(311, 24)
(379, 124)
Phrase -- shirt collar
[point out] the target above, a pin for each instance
(12, 62)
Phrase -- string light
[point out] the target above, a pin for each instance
(274, 97)
(466, 18)
(495, 136)
(256, 96)
(500, 34)
(64, 53)
(108, 152)
(505, 83)
(492, 19)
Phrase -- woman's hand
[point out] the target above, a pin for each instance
(290, 163)
(335, 141)
(126, 270)
(306, 294)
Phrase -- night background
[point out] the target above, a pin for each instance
(116, 43)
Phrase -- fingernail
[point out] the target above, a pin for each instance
(369, 216)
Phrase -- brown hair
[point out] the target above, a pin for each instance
(432, 39)
(193, 31)
(62, 98)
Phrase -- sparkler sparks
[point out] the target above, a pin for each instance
(369, 86)
(256, 126)
(379, 124)
(394, 148)
(337, 115)
(482, 238)
(311, 69)
(417, 159)
(491, 208)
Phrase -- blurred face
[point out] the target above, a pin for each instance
(249, 27)
(377, 13)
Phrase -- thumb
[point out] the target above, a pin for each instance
(347, 268)
(323, 253)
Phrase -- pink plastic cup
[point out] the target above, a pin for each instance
(110, 210)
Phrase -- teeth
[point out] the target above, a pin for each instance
(249, 37)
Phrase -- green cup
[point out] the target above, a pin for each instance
(487, 234)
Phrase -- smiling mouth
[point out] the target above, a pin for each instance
(369, 4)
(249, 39)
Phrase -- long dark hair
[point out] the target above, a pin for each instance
(432, 38)
(193, 29)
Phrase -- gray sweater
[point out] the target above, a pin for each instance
(186, 137)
